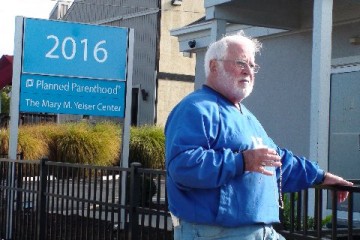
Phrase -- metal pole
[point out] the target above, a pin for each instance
(134, 201)
(126, 126)
(14, 121)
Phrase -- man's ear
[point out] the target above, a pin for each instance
(213, 65)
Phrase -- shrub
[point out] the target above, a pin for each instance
(52, 133)
(31, 142)
(85, 143)
(5, 100)
(4, 141)
(75, 142)
(147, 146)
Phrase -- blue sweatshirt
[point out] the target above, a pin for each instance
(206, 182)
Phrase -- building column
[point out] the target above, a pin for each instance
(218, 29)
(320, 81)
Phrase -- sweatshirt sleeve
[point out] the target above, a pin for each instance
(191, 161)
(298, 172)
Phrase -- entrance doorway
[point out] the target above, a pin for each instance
(344, 135)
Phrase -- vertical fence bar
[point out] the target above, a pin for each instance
(334, 214)
(94, 207)
(66, 183)
(41, 225)
(134, 201)
(61, 198)
(305, 211)
(121, 212)
(158, 192)
(298, 211)
(33, 201)
(350, 215)
(292, 212)
(318, 211)
(87, 231)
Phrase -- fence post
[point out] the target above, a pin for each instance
(19, 183)
(41, 205)
(134, 201)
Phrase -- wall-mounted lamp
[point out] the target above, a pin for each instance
(176, 2)
(192, 43)
(144, 95)
(355, 40)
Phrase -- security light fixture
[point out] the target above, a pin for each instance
(176, 2)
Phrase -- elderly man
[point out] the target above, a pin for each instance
(225, 175)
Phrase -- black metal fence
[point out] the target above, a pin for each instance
(297, 223)
(53, 200)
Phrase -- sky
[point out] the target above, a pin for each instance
(9, 9)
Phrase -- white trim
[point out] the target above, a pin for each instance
(345, 69)
(346, 64)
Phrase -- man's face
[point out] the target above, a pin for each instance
(236, 79)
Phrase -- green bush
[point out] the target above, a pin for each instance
(98, 144)
(4, 140)
(31, 142)
(147, 146)
(76, 142)
(91, 144)
(5, 100)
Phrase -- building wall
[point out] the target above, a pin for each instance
(281, 96)
(175, 70)
(341, 46)
(170, 93)
(171, 60)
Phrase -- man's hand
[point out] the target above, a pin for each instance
(331, 179)
(257, 159)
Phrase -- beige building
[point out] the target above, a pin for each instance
(176, 70)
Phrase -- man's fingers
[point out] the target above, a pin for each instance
(342, 196)
(264, 171)
(271, 163)
(267, 172)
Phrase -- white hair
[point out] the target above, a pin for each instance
(218, 49)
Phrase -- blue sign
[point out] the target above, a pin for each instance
(72, 96)
(76, 50)
(48, 85)
(73, 68)
(71, 105)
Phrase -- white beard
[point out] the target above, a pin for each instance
(231, 86)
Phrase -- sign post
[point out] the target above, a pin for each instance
(70, 68)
